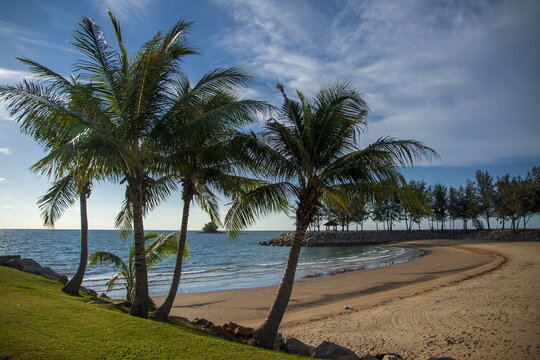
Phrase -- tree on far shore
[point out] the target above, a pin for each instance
(486, 195)
(440, 203)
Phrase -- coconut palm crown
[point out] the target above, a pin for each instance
(310, 154)
(200, 154)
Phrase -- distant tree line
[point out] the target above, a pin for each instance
(512, 201)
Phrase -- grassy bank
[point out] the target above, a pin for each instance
(38, 321)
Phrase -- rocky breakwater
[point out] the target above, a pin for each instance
(368, 237)
(33, 267)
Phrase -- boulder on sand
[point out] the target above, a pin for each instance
(242, 331)
(296, 346)
(329, 350)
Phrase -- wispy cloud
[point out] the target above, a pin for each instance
(2, 179)
(125, 9)
(460, 78)
(14, 32)
(5, 151)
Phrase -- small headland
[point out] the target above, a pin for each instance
(370, 237)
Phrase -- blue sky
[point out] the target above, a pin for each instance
(461, 76)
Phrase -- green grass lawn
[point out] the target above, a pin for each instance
(39, 321)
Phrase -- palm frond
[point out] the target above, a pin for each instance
(102, 66)
(118, 32)
(164, 246)
(54, 80)
(404, 152)
(124, 220)
(107, 259)
(60, 196)
(110, 283)
(248, 207)
(208, 202)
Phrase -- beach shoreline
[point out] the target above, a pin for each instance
(319, 298)
(464, 299)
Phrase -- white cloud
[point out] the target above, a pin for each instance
(5, 151)
(461, 78)
(2, 179)
(5, 206)
(10, 77)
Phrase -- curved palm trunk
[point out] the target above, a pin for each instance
(162, 313)
(73, 285)
(141, 301)
(266, 334)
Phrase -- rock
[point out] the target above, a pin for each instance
(440, 358)
(232, 326)
(200, 322)
(367, 357)
(296, 346)
(103, 295)
(89, 291)
(14, 263)
(243, 332)
(63, 279)
(228, 335)
(329, 350)
(47, 271)
(31, 262)
(31, 269)
(5, 258)
(208, 325)
(217, 330)
(392, 357)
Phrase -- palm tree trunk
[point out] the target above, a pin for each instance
(162, 313)
(73, 285)
(266, 334)
(141, 301)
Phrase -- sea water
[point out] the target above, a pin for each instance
(214, 263)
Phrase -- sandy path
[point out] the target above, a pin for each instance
(492, 316)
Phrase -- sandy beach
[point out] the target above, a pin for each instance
(462, 299)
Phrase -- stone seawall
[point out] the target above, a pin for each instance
(351, 238)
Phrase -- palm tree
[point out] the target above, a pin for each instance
(61, 195)
(37, 108)
(120, 127)
(309, 152)
(200, 154)
(155, 251)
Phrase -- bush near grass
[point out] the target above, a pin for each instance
(39, 321)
